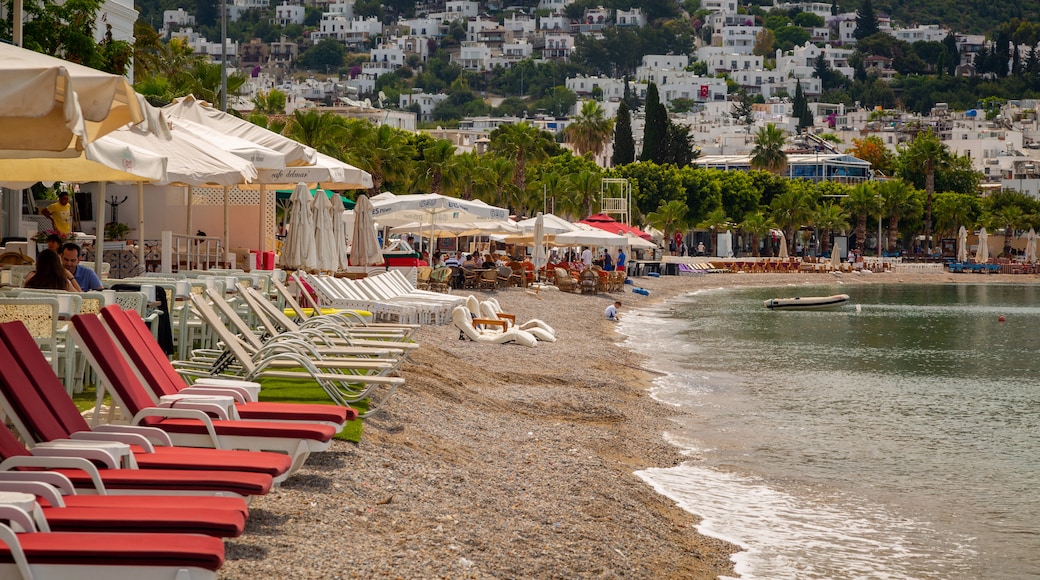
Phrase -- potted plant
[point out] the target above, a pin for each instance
(116, 231)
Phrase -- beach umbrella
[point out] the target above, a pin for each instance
(325, 242)
(982, 252)
(339, 228)
(551, 225)
(1031, 247)
(49, 106)
(591, 237)
(298, 251)
(783, 246)
(835, 257)
(962, 245)
(539, 242)
(365, 250)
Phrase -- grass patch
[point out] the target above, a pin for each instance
(275, 391)
(307, 391)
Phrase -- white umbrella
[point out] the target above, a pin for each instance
(552, 224)
(339, 228)
(982, 252)
(432, 209)
(365, 250)
(1031, 247)
(539, 242)
(835, 257)
(962, 245)
(324, 233)
(639, 243)
(298, 250)
(783, 247)
(591, 237)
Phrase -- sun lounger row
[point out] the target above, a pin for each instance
(388, 296)
(135, 472)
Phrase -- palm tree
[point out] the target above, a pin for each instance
(321, 130)
(552, 186)
(829, 217)
(670, 216)
(520, 143)
(716, 222)
(1011, 218)
(924, 152)
(758, 225)
(768, 152)
(589, 130)
(791, 210)
(898, 199)
(384, 152)
(500, 189)
(862, 202)
(438, 159)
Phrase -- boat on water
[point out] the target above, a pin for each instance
(807, 302)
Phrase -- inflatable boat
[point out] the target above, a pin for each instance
(807, 302)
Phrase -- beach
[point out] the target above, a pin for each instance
(501, 461)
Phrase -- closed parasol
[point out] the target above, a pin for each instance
(365, 250)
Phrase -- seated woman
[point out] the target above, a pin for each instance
(50, 274)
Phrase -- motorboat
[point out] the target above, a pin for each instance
(807, 302)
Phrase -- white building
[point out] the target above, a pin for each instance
(286, 14)
(611, 89)
(801, 62)
(238, 7)
(426, 103)
(558, 46)
(177, 17)
(474, 56)
(555, 22)
(457, 10)
(926, 33)
(553, 6)
(633, 17)
(430, 27)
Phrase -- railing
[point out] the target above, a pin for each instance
(194, 252)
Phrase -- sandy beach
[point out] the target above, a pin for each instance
(500, 461)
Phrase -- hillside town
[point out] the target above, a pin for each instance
(1001, 144)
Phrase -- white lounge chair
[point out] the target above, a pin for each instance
(466, 324)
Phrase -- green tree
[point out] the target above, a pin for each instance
(383, 151)
(590, 129)
(758, 225)
(716, 222)
(326, 53)
(920, 157)
(829, 218)
(862, 202)
(743, 111)
(322, 130)
(768, 152)
(669, 217)
(898, 199)
(624, 143)
(521, 143)
(866, 21)
(800, 107)
(791, 210)
(655, 131)
(270, 103)
(437, 159)
(953, 210)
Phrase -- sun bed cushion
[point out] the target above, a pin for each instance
(161, 376)
(207, 503)
(185, 520)
(78, 549)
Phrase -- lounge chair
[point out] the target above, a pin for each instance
(191, 427)
(162, 378)
(467, 328)
(542, 331)
(41, 412)
(49, 555)
(129, 514)
(564, 281)
(349, 318)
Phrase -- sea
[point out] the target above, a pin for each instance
(895, 437)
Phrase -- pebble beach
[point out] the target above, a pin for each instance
(502, 461)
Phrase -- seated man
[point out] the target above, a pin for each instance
(611, 311)
(86, 278)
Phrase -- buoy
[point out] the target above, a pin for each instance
(1001, 318)
(629, 281)
(641, 291)
(654, 274)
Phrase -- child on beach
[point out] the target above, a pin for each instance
(611, 311)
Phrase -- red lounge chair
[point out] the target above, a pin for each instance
(135, 517)
(161, 377)
(41, 411)
(190, 427)
(114, 556)
(88, 478)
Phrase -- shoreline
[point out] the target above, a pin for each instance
(500, 461)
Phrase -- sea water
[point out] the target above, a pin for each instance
(895, 437)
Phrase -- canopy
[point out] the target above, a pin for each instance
(37, 113)
(552, 224)
(328, 172)
(191, 109)
(432, 208)
(104, 160)
(260, 156)
(591, 237)
(609, 224)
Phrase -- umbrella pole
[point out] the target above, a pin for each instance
(99, 233)
(191, 196)
(140, 225)
(227, 221)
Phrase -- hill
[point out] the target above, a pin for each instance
(967, 16)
